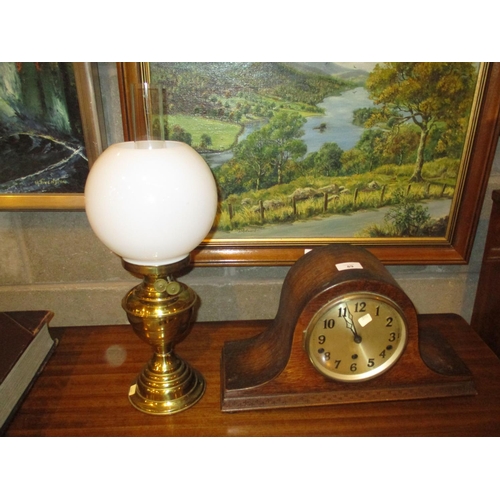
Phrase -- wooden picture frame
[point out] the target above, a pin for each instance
(85, 75)
(454, 248)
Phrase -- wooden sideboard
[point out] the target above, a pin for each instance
(486, 313)
(83, 392)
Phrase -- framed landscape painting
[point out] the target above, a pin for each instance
(391, 156)
(49, 134)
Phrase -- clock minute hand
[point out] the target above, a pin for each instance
(350, 325)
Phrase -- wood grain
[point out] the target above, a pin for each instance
(485, 318)
(83, 392)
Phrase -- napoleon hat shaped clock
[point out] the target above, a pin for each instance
(345, 332)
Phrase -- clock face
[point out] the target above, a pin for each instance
(356, 337)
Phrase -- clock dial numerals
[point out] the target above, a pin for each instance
(356, 337)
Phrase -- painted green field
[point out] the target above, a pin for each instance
(222, 134)
(385, 186)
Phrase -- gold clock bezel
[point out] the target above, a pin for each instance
(367, 374)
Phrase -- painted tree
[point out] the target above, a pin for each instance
(255, 156)
(423, 93)
(400, 147)
(354, 161)
(283, 132)
(266, 152)
(328, 160)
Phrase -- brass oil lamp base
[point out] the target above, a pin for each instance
(160, 311)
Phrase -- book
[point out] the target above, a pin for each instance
(25, 347)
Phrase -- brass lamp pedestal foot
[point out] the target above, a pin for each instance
(160, 310)
(166, 386)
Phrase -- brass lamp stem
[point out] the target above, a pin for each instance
(160, 311)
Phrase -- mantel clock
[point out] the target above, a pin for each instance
(345, 332)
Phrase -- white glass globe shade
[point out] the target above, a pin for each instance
(151, 202)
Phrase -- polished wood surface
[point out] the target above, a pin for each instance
(485, 315)
(83, 392)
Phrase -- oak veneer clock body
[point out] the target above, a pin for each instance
(281, 367)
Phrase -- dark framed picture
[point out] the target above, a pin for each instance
(392, 156)
(49, 134)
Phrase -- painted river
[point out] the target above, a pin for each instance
(338, 112)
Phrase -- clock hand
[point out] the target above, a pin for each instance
(350, 325)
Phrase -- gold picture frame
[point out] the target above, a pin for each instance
(93, 133)
(453, 248)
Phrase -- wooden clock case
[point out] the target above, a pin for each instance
(272, 369)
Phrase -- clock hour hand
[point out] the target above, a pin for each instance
(349, 320)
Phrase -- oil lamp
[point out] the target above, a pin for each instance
(152, 201)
